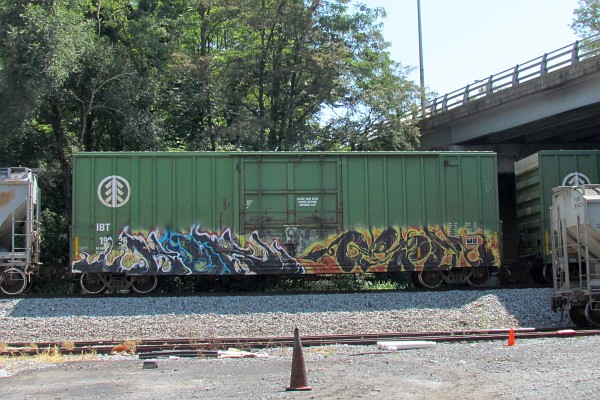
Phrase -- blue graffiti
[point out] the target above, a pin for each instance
(195, 252)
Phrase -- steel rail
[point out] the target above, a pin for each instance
(121, 295)
(208, 347)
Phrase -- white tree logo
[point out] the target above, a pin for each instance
(114, 191)
(576, 179)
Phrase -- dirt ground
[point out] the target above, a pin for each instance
(533, 368)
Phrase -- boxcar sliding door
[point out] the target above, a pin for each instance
(291, 199)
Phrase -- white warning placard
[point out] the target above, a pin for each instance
(307, 201)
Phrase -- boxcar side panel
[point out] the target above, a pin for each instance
(409, 211)
(283, 213)
(153, 213)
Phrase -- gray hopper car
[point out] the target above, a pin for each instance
(19, 228)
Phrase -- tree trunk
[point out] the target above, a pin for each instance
(60, 146)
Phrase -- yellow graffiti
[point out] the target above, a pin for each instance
(395, 248)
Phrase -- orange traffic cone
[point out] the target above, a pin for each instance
(511, 337)
(298, 378)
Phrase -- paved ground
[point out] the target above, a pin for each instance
(532, 369)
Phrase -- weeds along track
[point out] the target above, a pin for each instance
(208, 347)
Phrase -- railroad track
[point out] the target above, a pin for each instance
(192, 347)
(118, 294)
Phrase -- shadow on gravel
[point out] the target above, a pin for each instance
(517, 302)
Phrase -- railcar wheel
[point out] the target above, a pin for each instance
(13, 281)
(577, 315)
(414, 277)
(92, 283)
(537, 274)
(478, 277)
(430, 279)
(144, 283)
(592, 313)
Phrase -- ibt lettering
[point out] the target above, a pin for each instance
(103, 227)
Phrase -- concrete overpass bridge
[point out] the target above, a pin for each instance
(550, 102)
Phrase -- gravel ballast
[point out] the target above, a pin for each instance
(557, 368)
(114, 318)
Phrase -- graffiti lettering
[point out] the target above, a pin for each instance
(361, 250)
(396, 249)
(194, 252)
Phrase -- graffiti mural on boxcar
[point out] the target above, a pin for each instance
(397, 249)
(361, 250)
(194, 252)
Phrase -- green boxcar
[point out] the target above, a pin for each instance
(536, 175)
(283, 213)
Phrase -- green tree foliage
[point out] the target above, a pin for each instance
(41, 46)
(256, 75)
(586, 18)
(372, 114)
(203, 75)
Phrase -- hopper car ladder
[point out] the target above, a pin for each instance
(25, 245)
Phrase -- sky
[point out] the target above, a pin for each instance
(469, 40)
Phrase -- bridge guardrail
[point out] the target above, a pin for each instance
(561, 58)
